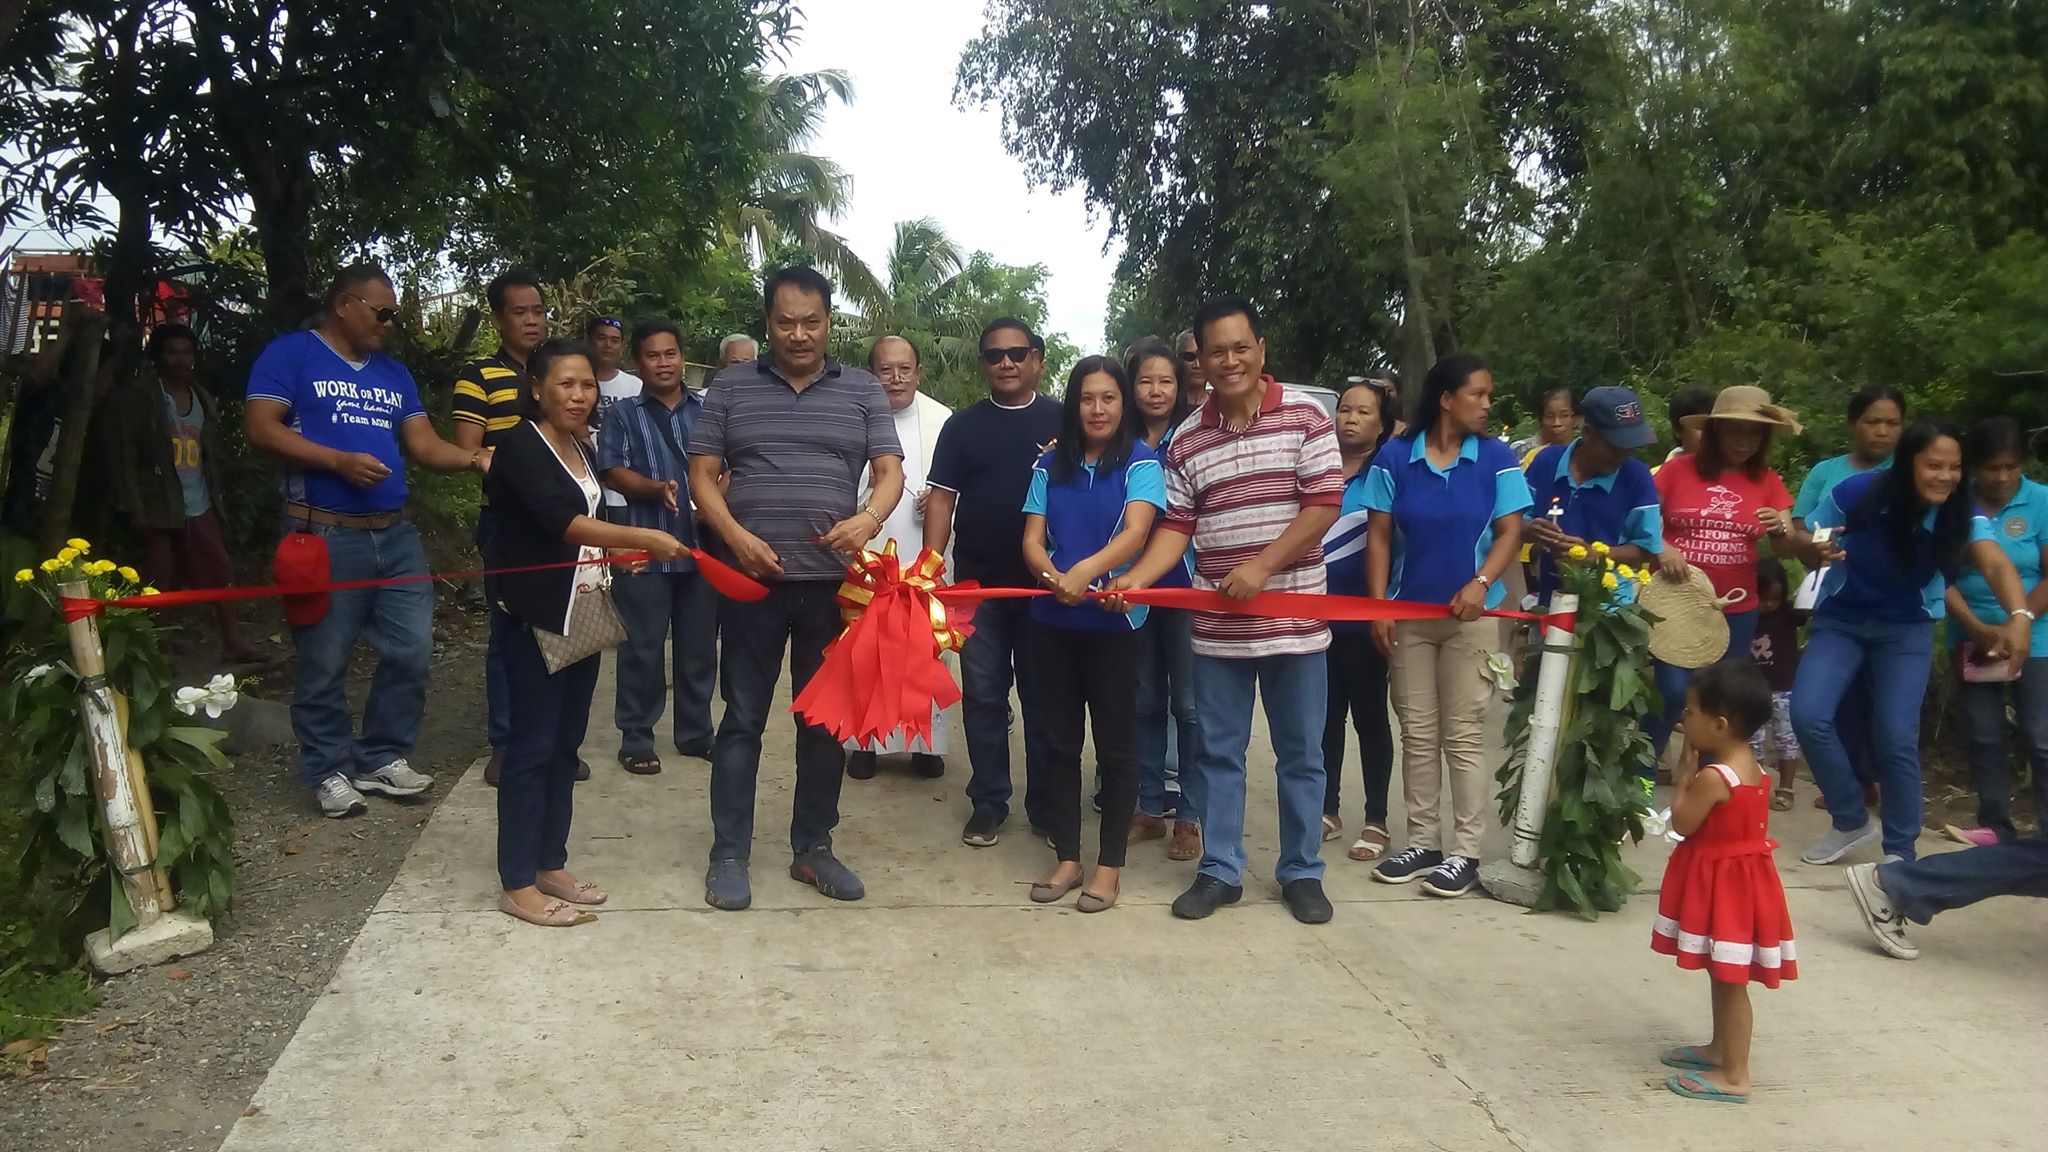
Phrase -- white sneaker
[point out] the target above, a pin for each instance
(395, 779)
(338, 798)
(1886, 924)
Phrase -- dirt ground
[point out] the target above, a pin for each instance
(174, 1053)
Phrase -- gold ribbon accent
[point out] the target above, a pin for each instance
(872, 574)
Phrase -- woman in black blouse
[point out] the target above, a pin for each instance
(545, 496)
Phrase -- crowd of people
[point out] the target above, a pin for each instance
(1180, 464)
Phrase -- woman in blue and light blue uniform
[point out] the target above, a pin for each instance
(1088, 513)
(1167, 724)
(2017, 509)
(1358, 669)
(1903, 533)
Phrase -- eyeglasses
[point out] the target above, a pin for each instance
(384, 315)
(1017, 355)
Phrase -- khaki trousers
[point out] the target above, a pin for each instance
(1443, 697)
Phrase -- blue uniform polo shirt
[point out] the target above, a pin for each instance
(1344, 548)
(1443, 519)
(1822, 478)
(1616, 509)
(1082, 515)
(2021, 528)
(1872, 581)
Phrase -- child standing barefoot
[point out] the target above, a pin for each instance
(1723, 907)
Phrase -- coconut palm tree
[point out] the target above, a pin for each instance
(795, 191)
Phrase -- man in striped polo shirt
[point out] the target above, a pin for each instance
(487, 406)
(1255, 478)
(792, 431)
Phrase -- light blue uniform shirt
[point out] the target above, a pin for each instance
(2021, 528)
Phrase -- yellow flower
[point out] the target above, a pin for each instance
(1627, 573)
(24, 576)
(130, 574)
(1600, 548)
(1643, 576)
(1578, 552)
(79, 544)
(150, 592)
(67, 555)
(51, 566)
(1609, 582)
(99, 567)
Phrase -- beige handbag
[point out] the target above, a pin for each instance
(594, 625)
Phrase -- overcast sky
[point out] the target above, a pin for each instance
(912, 153)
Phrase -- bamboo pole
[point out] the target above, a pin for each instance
(1546, 726)
(138, 780)
(106, 739)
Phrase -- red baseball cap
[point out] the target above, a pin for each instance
(301, 560)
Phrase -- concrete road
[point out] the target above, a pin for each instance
(946, 1011)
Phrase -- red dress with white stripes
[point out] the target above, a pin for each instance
(1722, 907)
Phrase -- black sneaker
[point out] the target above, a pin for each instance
(860, 765)
(1407, 865)
(1304, 898)
(928, 766)
(983, 829)
(1204, 896)
(1454, 877)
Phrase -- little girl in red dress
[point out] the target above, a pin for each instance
(1722, 907)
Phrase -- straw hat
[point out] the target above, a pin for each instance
(1748, 403)
(1691, 630)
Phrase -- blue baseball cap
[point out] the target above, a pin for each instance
(1618, 414)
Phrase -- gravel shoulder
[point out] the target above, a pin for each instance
(174, 1053)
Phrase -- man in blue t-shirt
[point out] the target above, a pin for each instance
(336, 411)
(1594, 489)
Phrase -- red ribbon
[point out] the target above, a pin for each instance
(728, 580)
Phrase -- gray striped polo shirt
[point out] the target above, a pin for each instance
(795, 457)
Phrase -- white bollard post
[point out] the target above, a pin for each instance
(1546, 723)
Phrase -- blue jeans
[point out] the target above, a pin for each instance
(673, 614)
(1294, 689)
(1946, 880)
(1166, 692)
(995, 656)
(1984, 727)
(1898, 657)
(497, 690)
(537, 789)
(398, 622)
(1672, 684)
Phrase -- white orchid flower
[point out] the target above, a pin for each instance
(1500, 671)
(219, 695)
(188, 700)
(35, 675)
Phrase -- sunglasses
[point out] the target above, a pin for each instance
(1190, 357)
(1017, 355)
(384, 315)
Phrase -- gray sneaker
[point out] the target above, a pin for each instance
(1837, 843)
(726, 885)
(338, 798)
(823, 871)
(1886, 925)
(395, 779)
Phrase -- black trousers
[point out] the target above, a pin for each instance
(1358, 687)
(537, 790)
(803, 617)
(1088, 678)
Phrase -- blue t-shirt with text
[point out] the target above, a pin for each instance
(339, 405)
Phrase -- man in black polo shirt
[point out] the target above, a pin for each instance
(487, 406)
(980, 473)
(792, 431)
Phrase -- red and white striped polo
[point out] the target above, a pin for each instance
(1235, 492)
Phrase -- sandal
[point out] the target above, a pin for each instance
(1372, 843)
(553, 914)
(1694, 1088)
(581, 892)
(1332, 828)
(1781, 800)
(640, 763)
(1686, 1057)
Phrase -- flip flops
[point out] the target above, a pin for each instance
(1693, 1088)
(1686, 1057)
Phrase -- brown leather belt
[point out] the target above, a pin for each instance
(326, 519)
